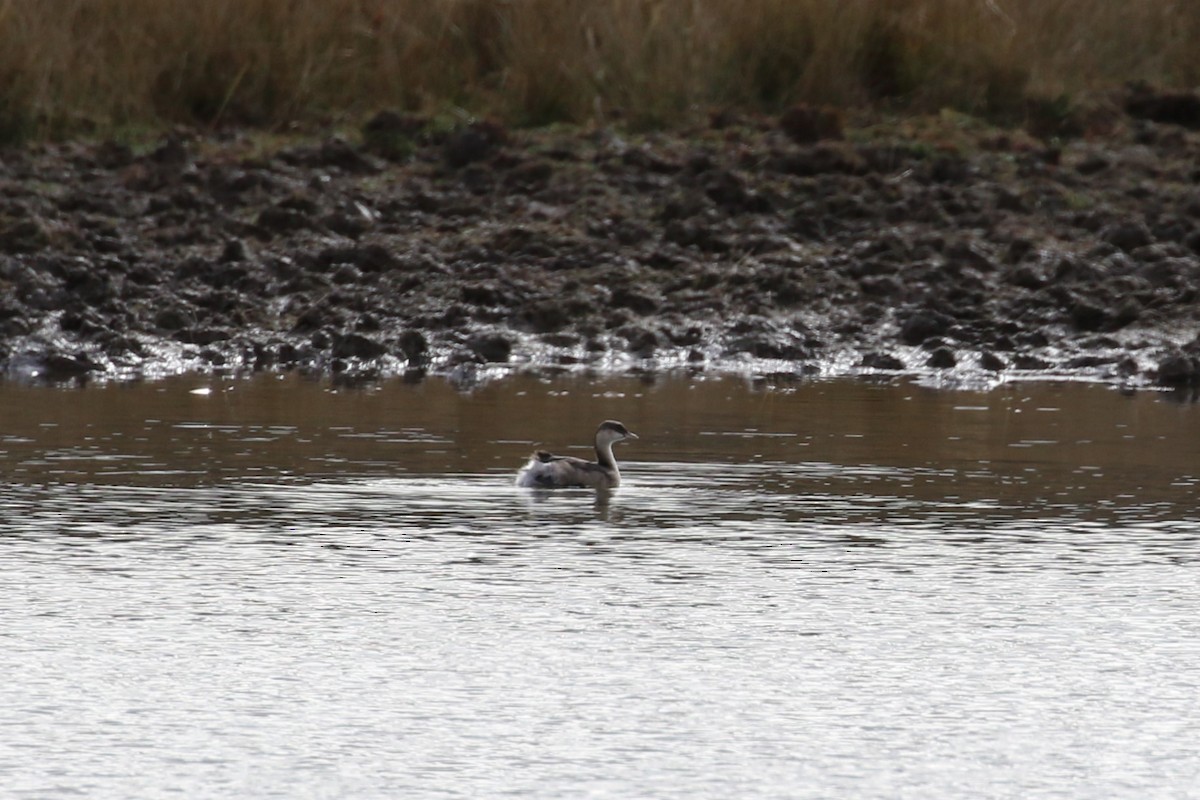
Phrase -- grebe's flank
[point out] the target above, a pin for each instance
(548, 471)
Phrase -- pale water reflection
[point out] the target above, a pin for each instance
(819, 590)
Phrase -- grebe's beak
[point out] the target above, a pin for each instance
(630, 435)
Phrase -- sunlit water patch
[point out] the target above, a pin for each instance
(837, 589)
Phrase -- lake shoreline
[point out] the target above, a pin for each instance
(791, 246)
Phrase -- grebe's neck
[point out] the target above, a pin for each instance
(604, 453)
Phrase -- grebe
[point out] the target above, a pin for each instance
(548, 471)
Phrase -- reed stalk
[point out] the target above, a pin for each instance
(71, 65)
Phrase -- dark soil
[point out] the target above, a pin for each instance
(784, 245)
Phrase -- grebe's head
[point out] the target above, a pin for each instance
(612, 431)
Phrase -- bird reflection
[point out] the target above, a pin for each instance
(602, 499)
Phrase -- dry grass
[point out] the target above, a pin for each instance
(67, 65)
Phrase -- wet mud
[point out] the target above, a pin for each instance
(791, 245)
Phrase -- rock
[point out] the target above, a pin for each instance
(214, 357)
(1127, 313)
(942, 358)
(321, 340)
(922, 325)
(346, 275)
(876, 360)
(172, 152)
(991, 362)
(57, 366)
(316, 317)
(1088, 361)
(682, 335)
(1177, 369)
(491, 347)
(414, 345)
(289, 354)
(83, 324)
(1091, 164)
(275, 219)
(89, 284)
(113, 155)
(1086, 316)
(969, 254)
(949, 168)
(394, 135)
(806, 124)
(1033, 338)
(234, 251)
(724, 118)
(1030, 362)
(1127, 236)
(119, 346)
(683, 205)
(634, 300)
(202, 336)
(334, 152)
(24, 236)
(486, 293)
(530, 175)
(264, 355)
(884, 286)
(1009, 200)
(370, 258)
(545, 317)
(1192, 241)
(1027, 277)
(12, 318)
(171, 319)
(729, 191)
(355, 345)
(476, 142)
(696, 233)
(640, 341)
(1018, 249)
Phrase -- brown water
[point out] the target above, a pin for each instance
(268, 588)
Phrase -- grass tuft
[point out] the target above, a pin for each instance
(71, 65)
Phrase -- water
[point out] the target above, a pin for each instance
(834, 589)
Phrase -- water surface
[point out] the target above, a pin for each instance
(268, 588)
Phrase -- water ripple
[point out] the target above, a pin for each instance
(267, 607)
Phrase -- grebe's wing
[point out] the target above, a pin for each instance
(548, 471)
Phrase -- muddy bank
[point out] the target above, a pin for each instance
(789, 245)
